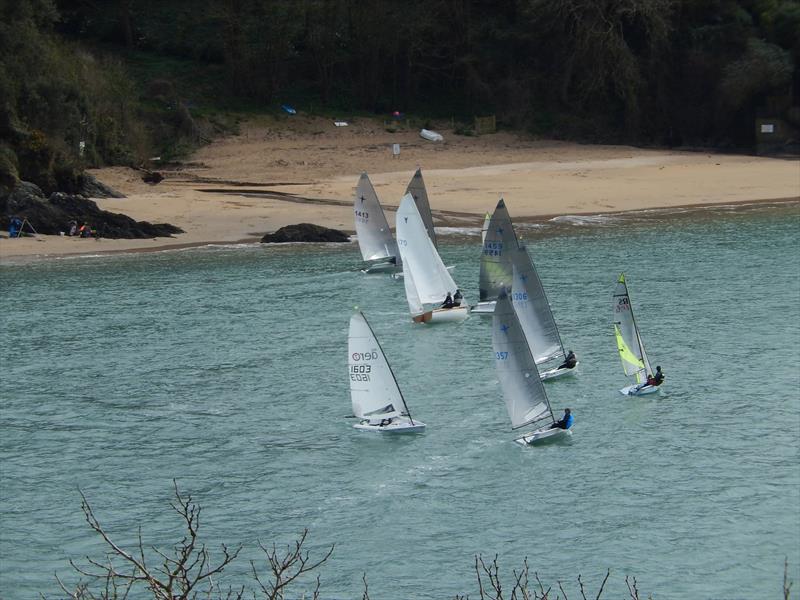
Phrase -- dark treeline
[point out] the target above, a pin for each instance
(664, 72)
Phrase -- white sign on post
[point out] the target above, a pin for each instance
(395, 150)
(767, 128)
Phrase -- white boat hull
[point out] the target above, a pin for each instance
(543, 435)
(558, 373)
(383, 267)
(449, 315)
(484, 308)
(396, 426)
(635, 390)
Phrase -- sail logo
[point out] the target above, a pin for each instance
(357, 356)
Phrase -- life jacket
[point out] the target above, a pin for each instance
(569, 421)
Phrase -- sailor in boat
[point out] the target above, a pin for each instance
(658, 378)
(448, 301)
(569, 361)
(566, 421)
(457, 298)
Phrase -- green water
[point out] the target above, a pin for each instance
(225, 368)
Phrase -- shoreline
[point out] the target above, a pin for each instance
(221, 195)
(27, 257)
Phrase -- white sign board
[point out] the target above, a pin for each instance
(767, 128)
(396, 149)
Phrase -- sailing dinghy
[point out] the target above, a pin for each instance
(629, 343)
(376, 398)
(525, 396)
(378, 248)
(427, 281)
(536, 317)
(416, 187)
(495, 271)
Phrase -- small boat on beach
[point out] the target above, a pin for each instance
(378, 248)
(427, 281)
(629, 343)
(376, 398)
(525, 397)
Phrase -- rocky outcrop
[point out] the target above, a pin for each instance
(305, 232)
(92, 188)
(54, 214)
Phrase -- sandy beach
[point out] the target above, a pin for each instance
(282, 171)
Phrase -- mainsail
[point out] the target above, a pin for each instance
(533, 309)
(374, 236)
(526, 400)
(629, 343)
(416, 187)
(498, 244)
(374, 392)
(431, 278)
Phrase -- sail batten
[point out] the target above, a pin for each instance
(525, 397)
(374, 235)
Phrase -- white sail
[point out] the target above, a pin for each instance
(629, 342)
(416, 187)
(431, 278)
(525, 397)
(415, 306)
(499, 243)
(486, 220)
(374, 236)
(373, 390)
(533, 309)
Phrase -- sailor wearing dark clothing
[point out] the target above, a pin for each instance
(457, 298)
(658, 378)
(448, 302)
(565, 422)
(569, 361)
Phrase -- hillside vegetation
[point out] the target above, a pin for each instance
(134, 79)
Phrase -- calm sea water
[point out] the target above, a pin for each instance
(225, 369)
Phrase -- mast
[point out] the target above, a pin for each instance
(408, 412)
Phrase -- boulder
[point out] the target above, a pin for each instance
(305, 232)
(53, 215)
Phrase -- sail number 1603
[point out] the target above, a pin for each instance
(360, 372)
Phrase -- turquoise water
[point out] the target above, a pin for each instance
(225, 368)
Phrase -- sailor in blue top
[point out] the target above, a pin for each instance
(565, 422)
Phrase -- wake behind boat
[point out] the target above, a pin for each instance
(525, 397)
(376, 398)
(378, 248)
(631, 348)
(427, 281)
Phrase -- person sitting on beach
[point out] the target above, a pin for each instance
(457, 298)
(85, 231)
(565, 422)
(570, 360)
(448, 301)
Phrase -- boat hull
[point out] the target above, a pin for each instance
(558, 373)
(395, 427)
(484, 308)
(449, 315)
(634, 390)
(541, 436)
(382, 267)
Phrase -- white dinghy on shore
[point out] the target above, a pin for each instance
(525, 397)
(376, 398)
(629, 343)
